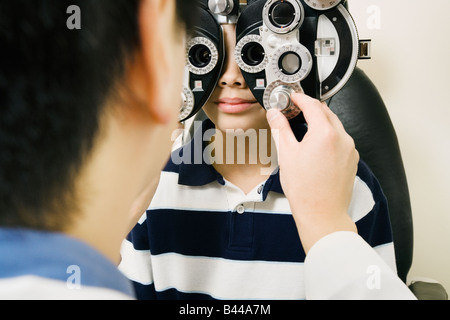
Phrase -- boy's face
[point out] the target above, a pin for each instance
(232, 104)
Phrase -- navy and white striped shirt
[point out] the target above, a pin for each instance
(203, 238)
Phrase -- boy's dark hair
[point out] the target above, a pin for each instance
(53, 85)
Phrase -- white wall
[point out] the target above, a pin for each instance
(411, 67)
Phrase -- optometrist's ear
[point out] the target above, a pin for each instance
(155, 31)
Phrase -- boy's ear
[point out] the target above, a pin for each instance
(153, 16)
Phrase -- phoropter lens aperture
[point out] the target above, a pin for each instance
(253, 54)
(290, 63)
(200, 56)
(282, 14)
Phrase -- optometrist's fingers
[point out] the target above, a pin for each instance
(316, 112)
(281, 131)
(313, 110)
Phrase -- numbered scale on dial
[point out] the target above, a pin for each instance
(322, 4)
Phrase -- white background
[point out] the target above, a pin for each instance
(411, 68)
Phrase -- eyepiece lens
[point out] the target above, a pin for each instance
(253, 54)
(282, 14)
(200, 56)
(290, 63)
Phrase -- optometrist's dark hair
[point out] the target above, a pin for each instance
(53, 86)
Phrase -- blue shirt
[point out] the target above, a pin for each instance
(203, 238)
(55, 266)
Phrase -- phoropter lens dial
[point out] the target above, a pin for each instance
(322, 4)
(250, 54)
(283, 16)
(291, 63)
(187, 104)
(201, 55)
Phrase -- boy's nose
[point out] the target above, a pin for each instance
(232, 76)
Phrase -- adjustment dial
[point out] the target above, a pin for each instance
(283, 16)
(278, 96)
(187, 104)
(292, 63)
(221, 7)
(322, 4)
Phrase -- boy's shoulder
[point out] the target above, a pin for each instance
(368, 177)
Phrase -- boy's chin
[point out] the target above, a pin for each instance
(235, 123)
(250, 120)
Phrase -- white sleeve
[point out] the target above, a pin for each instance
(343, 266)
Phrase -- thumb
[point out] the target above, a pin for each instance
(281, 129)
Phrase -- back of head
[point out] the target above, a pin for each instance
(54, 81)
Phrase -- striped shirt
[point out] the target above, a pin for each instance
(203, 238)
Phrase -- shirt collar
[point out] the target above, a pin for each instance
(57, 256)
(194, 171)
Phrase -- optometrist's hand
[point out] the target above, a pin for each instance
(317, 174)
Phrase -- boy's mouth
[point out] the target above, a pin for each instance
(234, 105)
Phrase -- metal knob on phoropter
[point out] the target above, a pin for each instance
(281, 98)
(221, 7)
(278, 96)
